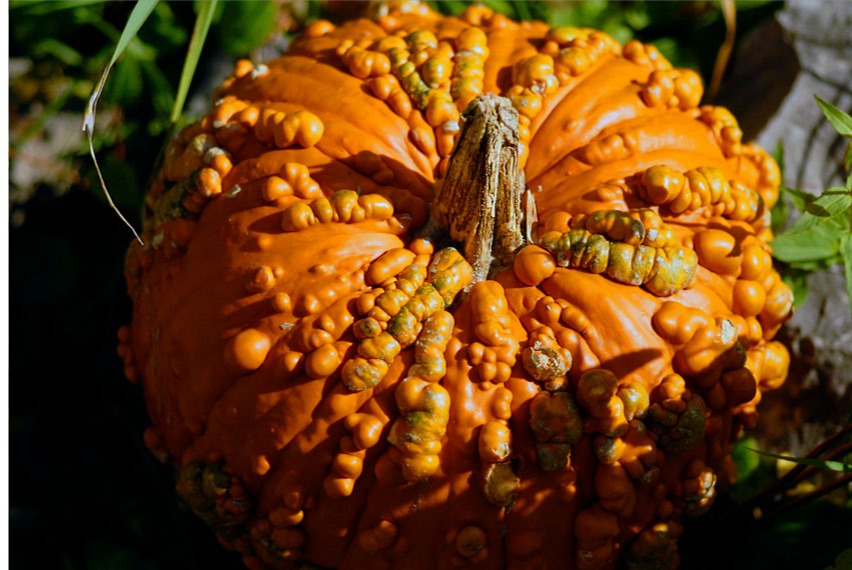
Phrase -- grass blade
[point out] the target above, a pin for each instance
(138, 16)
(196, 43)
(44, 7)
(810, 462)
(140, 13)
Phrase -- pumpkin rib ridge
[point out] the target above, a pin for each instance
(310, 78)
(554, 102)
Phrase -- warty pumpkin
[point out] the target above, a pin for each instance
(435, 292)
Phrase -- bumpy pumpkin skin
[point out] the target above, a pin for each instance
(334, 390)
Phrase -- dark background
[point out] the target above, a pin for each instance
(84, 491)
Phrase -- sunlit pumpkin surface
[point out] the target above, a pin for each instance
(332, 387)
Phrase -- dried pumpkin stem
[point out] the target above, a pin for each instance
(478, 202)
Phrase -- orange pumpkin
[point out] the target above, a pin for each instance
(335, 384)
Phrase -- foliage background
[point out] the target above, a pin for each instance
(85, 493)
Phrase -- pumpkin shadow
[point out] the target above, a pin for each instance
(628, 363)
(372, 171)
(270, 224)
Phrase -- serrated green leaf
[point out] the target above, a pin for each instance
(846, 253)
(817, 243)
(841, 121)
(830, 209)
(824, 464)
(798, 199)
(833, 200)
(196, 43)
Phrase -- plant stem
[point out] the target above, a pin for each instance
(478, 202)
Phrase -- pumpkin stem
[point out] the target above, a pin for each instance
(478, 201)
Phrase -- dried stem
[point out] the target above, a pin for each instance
(479, 201)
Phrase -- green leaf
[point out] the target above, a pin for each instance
(170, 33)
(754, 472)
(636, 15)
(799, 199)
(679, 54)
(61, 51)
(249, 24)
(797, 280)
(846, 253)
(841, 122)
(450, 7)
(752, 4)
(821, 463)
(615, 27)
(817, 243)
(814, 238)
(779, 214)
(847, 160)
(746, 461)
(162, 92)
(140, 50)
(778, 155)
(523, 11)
(832, 209)
(126, 85)
(502, 6)
(196, 43)
(315, 11)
